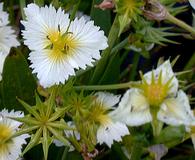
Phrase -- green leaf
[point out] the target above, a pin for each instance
(17, 81)
(105, 21)
(171, 136)
(112, 72)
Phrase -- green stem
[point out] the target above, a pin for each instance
(120, 45)
(180, 23)
(64, 155)
(156, 124)
(135, 65)
(74, 11)
(22, 6)
(106, 87)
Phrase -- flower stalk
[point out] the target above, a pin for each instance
(106, 87)
(156, 124)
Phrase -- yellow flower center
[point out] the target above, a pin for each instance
(99, 114)
(5, 134)
(61, 44)
(156, 91)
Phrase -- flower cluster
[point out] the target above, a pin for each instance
(64, 114)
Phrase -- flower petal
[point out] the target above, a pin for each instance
(107, 99)
(133, 109)
(192, 3)
(110, 132)
(176, 111)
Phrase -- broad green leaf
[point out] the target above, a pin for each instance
(17, 81)
(100, 17)
(112, 72)
(171, 136)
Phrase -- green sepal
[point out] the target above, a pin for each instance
(27, 120)
(57, 114)
(25, 130)
(60, 125)
(58, 136)
(50, 103)
(124, 21)
(29, 109)
(33, 141)
(45, 144)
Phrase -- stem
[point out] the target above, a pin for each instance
(74, 11)
(64, 155)
(120, 46)
(180, 23)
(106, 87)
(135, 65)
(22, 6)
(156, 124)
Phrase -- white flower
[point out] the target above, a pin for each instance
(192, 3)
(58, 45)
(10, 148)
(159, 88)
(110, 129)
(7, 38)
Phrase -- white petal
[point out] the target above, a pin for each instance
(49, 71)
(176, 111)
(133, 109)
(107, 99)
(111, 132)
(89, 36)
(3, 16)
(192, 3)
(167, 74)
(193, 140)
(2, 60)
(7, 36)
